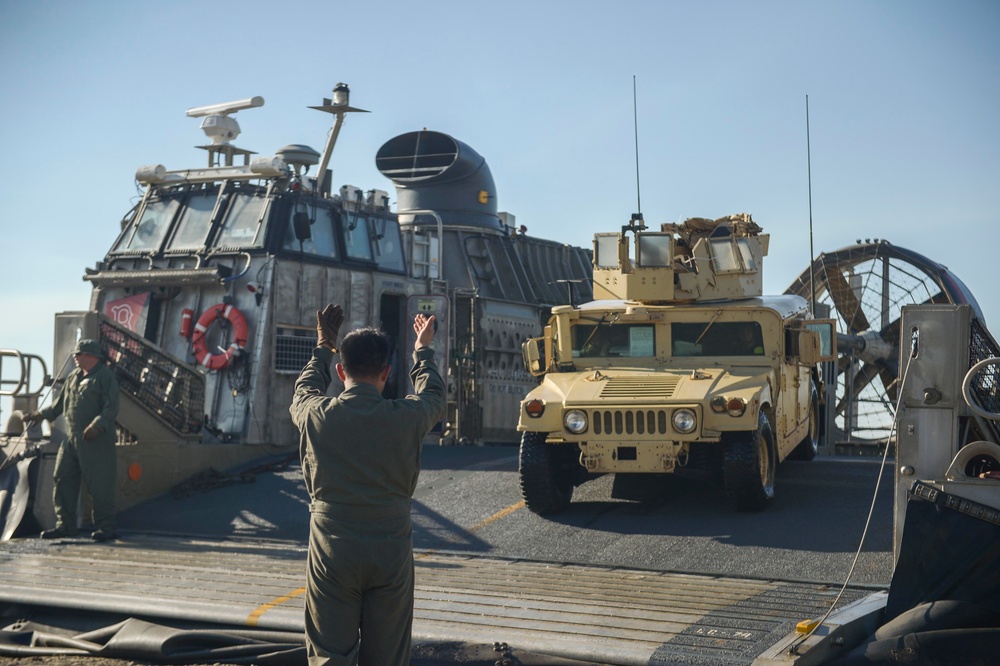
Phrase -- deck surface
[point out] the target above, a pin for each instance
(603, 614)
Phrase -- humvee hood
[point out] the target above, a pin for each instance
(646, 387)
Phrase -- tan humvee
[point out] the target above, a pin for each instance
(680, 367)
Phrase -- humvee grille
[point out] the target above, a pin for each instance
(629, 421)
(640, 387)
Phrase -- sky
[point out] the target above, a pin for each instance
(903, 143)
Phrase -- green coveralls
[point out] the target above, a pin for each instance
(86, 399)
(360, 459)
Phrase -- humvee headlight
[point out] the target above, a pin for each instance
(684, 421)
(719, 404)
(534, 408)
(575, 421)
(736, 406)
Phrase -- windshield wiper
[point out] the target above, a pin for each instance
(601, 322)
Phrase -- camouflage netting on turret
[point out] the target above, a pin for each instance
(691, 230)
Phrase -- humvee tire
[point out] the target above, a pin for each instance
(748, 466)
(809, 447)
(546, 483)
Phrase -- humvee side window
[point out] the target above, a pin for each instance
(613, 340)
(741, 338)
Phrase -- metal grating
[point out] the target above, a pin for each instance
(641, 387)
(629, 421)
(293, 348)
(164, 386)
(986, 384)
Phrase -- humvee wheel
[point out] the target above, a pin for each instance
(546, 482)
(748, 466)
(809, 447)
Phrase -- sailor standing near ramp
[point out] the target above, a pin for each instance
(89, 401)
(360, 458)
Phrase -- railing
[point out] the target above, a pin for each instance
(22, 385)
(984, 387)
(171, 391)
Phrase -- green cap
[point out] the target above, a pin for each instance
(87, 346)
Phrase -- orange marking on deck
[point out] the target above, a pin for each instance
(255, 616)
(481, 524)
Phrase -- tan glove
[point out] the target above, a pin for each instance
(31, 419)
(91, 432)
(328, 323)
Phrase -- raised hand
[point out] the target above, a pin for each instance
(328, 323)
(423, 326)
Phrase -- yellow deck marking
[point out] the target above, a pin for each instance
(481, 524)
(497, 516)
(255, 616)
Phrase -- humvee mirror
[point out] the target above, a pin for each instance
(809, 347)
(827, 330)
(533, 354)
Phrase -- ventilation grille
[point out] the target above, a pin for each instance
(629, 421)
(641, 387)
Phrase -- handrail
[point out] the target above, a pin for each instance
(24, 378)
(967, 389)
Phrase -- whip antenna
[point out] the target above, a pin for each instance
(635, 124)
(812, 276)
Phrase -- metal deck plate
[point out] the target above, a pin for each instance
(602, 614)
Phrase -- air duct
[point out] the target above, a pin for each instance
(433, 171)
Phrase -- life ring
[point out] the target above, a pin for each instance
(239, 323)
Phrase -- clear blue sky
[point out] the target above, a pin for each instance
(903, 94)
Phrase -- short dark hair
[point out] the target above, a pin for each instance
(364, 352)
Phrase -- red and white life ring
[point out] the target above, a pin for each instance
(200, 346)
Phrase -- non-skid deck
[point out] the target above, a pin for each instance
(601, 614)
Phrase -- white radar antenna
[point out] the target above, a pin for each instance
(221, 129)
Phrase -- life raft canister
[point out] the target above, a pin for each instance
(187, 314)
(200, 346)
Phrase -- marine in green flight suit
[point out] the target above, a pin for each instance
(360, 458)
(89, 401)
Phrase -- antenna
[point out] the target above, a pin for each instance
(812, 276)
(637, 216)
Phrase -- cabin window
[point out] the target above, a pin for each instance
(239, 229)
(606, 250)
(613, 340)
(320, 226)
(748, 262)
(389, 246)
(738, 338)
(357, 241)
(195, 222)
(151, 228)
(293, 346)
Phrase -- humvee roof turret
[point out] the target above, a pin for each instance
(697, 260)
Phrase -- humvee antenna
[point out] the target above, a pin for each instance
(635, 126)
(637, 216)
(812, 276)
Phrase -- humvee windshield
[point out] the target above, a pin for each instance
(607, 339)
(742, 338)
